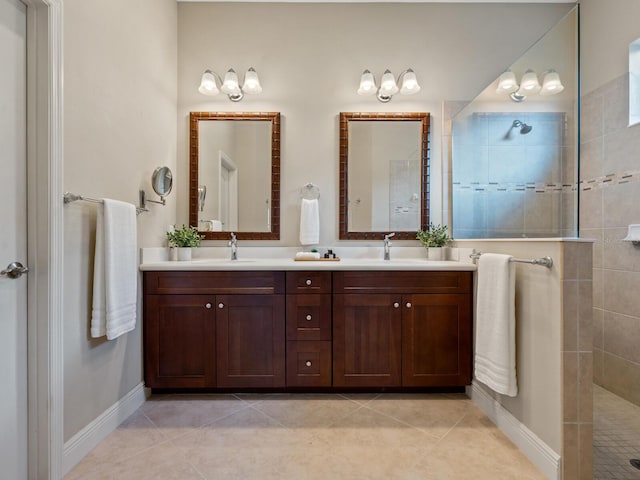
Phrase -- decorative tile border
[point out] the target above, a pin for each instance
(610, 180)
(516, 187)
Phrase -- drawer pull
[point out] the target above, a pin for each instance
(308, 363)
(396, 305)
(308, 281)
(208, 305)
(221, 305)
(308, 317)
(408, 304)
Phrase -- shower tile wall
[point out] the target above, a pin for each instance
(506, 184)
(609, 201)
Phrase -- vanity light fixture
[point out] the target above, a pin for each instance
(388, 85)
(529, 84)
(211, 84)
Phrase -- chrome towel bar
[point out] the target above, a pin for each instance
(72, 197)
(544, 261)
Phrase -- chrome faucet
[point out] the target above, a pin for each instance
(234, 246)
(387, 245)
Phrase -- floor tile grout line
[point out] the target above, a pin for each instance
(402, 421)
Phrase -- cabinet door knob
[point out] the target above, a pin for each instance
(408, 304)
(396, 305)
(308, 363)
(308, 281)
(308, 317)
(208, 305)
(221, 305)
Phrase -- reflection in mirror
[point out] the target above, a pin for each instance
(514, 164)
(235, 175)
(634, 82)
(383, 174)
(162, 181)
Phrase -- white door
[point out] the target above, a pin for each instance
(227, 192)
(13, 240)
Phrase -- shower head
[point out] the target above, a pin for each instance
(524, 128)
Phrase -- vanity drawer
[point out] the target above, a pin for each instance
(309, 317)
(405, 282)
(213, 282)
(309, 282)
(308, 364)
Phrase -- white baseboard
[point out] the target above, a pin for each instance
(90, 436)
(536, 450)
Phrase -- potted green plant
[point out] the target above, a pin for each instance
(433, 239)
(184, 238)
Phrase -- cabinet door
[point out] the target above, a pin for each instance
(367, 340)
(250, 340)
(436, 340)
(179, 341)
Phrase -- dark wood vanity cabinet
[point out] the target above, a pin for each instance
(214, 329)
(316, 329)
(410, 329)
(309, 329)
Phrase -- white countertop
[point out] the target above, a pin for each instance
(156, 259)
(290, 264)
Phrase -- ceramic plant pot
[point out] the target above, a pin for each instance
(434, 253)
(184, 254)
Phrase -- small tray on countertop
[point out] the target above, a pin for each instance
(337, 259)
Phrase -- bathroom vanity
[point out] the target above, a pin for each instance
(342, 325)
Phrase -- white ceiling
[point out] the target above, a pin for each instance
(383, 1)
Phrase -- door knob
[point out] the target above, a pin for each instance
(308, 282)
(309, 317)
(208, 305)
(308, 363)
(408, 304)
(221, 305)
(396, 305)
(14, 270)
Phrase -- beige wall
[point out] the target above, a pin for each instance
(553, 347)
(609, 147)
(539, 337)
(310, 57)
(119, 124)
(607, 28)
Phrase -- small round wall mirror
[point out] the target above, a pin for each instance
(162, 181)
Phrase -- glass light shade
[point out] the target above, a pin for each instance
(208, 84)
(551, 84)
(388, 85)
(367, 84)
(230, 85)
(251, 82)
(507, 82)
(529, 83)
(409, 83)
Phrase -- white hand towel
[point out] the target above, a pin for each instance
(115, 270)
(495, 356)
(309, 222)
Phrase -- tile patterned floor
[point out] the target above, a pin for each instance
(616, 436)
(305, 437)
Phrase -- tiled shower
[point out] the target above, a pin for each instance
(609, 197)
(514, 176)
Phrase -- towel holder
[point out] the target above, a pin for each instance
(69, 197)
(543, 262)
(310, 192)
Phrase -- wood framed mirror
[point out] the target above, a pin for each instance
(384, 175)
(234, 175)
